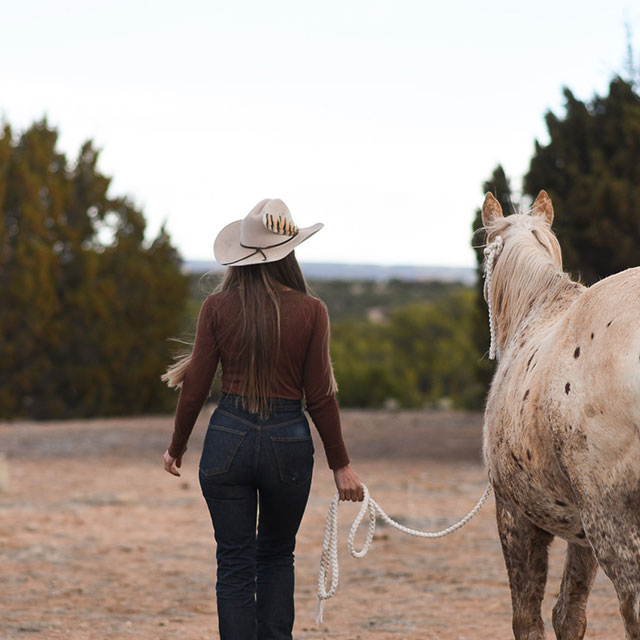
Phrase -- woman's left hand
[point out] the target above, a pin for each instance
(348, 484)
(171, 464)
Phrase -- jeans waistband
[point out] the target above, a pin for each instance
(279, 407)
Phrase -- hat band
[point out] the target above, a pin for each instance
(258, 250)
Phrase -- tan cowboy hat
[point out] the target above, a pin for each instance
(267, 234)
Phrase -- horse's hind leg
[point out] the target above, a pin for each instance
(569, 613)
(616, 544)
(525, 548)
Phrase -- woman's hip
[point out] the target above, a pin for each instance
(239, 446)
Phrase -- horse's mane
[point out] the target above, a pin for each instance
(528, 269)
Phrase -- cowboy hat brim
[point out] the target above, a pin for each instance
(229, 252)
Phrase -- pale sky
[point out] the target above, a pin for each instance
(381, 119)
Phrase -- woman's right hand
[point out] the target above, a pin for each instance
(348, 484)
(171, 464)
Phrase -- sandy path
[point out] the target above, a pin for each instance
(96, 541)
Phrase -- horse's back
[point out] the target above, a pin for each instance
(591, 383)
(599, 343)
(615, 299)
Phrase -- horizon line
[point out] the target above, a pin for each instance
(407, 265)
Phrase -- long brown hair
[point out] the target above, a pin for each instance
(258, 286)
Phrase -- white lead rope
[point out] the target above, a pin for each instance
(491, 252)
(329, 556)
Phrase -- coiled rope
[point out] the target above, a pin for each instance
(491, 252)
(329, 556)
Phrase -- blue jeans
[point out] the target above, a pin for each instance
(248, 465)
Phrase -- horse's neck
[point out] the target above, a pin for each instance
(527, 308)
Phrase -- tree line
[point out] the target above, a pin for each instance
(87, 305)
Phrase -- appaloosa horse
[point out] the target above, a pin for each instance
(562, 422)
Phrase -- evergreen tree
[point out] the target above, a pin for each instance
(86, 305)
(591, 170)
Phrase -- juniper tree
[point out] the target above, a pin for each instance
(84, 315)
(591, 170)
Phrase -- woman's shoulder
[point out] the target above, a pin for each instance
(302, 299)
(220, 299)
(310, 307)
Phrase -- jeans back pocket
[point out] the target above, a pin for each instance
(294, 457)
(220, 447)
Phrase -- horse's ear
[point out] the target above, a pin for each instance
(543, 207)
(491, 210)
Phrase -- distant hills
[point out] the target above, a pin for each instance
(364, 272)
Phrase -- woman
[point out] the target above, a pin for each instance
(272, 340)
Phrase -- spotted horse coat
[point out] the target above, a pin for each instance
(562, 424)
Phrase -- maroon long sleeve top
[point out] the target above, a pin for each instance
(301, 370)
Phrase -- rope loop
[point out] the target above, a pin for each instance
(491, 252)
(329, 555)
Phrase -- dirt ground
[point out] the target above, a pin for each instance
(97, 541)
